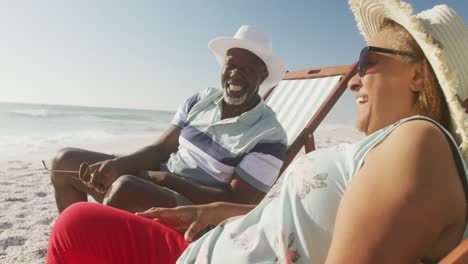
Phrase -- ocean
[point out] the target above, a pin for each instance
(29, 130)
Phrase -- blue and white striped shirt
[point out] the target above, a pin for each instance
(210, 149)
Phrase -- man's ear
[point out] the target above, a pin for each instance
(419, 76)
(265, 75)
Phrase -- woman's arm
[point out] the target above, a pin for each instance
(196, 217)
(399, 206)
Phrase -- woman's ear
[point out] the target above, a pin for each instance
(418, 81)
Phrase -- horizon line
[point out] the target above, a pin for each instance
(89, 106)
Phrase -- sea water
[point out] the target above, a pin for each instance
(28, 129)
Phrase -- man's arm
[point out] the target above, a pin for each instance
(147, 158)
(150, 157)
(250, 181)
(239, 191)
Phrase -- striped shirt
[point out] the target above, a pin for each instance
(253, 145)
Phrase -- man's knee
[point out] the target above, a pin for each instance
(121, 190)
(62, 161)
(64, 156)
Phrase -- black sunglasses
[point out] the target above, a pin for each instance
(364, 57)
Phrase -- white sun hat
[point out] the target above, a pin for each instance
(443, 37)
(251, 39)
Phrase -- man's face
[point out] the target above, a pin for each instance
(242, 74)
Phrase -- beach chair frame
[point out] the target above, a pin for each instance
(458, 255)
(306, 137)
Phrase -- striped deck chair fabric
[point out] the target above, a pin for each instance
(303, 99)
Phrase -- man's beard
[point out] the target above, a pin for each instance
(234, 100)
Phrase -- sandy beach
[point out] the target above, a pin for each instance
(27, 201)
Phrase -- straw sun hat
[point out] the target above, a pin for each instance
(251, 39)
(443, 37)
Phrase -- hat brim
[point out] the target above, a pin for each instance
(370, 15)
(275, 66)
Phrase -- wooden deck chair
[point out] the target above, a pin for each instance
(302, 100)
(458, 256)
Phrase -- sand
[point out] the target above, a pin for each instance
(27, 206)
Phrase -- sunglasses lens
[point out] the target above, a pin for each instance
(362, 64)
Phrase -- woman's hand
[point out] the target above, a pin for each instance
(193, 217)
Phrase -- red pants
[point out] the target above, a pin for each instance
(94, 233)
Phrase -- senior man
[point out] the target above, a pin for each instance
(222, 144)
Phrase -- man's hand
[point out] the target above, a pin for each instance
(108, 171)
(193, 217)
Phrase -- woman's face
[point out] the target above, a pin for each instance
(387, 91)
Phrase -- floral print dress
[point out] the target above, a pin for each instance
(295, 221)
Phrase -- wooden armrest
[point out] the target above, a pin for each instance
(458, 256)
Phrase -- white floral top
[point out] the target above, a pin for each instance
(294, 223)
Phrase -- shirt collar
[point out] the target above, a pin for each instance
(249, 117)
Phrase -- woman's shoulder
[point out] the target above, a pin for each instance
(416, 141)
(421, 129)
(417, 158)
(416, 138)
(410, 188)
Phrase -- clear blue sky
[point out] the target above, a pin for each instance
(153, 54)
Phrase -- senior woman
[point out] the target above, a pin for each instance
(397, 196)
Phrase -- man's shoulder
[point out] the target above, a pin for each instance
(209, 92)
(270, 122)
(203, 98)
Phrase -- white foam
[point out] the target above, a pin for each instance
(30, 112)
